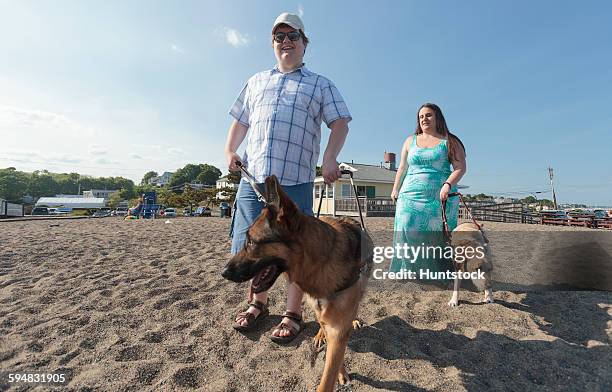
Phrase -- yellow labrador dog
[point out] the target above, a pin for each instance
(466, 236)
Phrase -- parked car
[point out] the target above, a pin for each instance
(63, 211)
(203, 211)
(40, 211)
(102, 213)
(554, 214)
(121, 211)
(170, 213)
(187, 211)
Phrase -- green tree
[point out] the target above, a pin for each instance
(234, 177)
(114, 200)
(13, 184)
(228, 192)
(203, 173)
(529, 200)
(169, 198)
(147, 177)
(68, 183)
(126, 194)
(42, 184)
(192, 196)
(546, 202)
(208, 174)
(186, 174)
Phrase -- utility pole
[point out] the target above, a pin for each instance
(552, 186)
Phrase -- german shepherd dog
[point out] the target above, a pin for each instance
(329, 259)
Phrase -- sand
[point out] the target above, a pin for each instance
(140, 305)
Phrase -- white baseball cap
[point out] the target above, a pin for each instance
(289, 19)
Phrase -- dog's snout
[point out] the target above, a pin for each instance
(228, 273)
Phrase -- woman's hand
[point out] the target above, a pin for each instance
(444, 191)
(394, 195)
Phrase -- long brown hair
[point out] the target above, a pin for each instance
(453, 141)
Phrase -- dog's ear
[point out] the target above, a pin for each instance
(272, 191)
(278, 198)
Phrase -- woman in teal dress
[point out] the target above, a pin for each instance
(423, 179)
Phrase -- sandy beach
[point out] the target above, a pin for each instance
(141, 305)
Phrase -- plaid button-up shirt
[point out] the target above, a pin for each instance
(284, 114)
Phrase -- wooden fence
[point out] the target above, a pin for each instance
(502, 212)
(512, 212)
(376, 206)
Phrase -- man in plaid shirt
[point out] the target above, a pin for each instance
(283, 108)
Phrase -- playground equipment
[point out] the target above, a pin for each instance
(149, 205)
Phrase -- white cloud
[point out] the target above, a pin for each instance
(300, 10)
(148, 147)
(66, 159)
(177, 49)
(175, 151)
(104, 161)
(96, 149)
(12, 118)
(235, 37)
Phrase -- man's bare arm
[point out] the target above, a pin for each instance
(339, 130)
(236, 134)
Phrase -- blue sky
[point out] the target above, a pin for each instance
(124, 87)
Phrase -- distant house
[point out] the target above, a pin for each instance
(71, 202)
(99, 193)
(162, 180)
(224, 182)
(73, 196)
(374, 184)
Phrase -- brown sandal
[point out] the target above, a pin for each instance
(293, 332)
(252, 320)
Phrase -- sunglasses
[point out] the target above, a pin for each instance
(293, 36)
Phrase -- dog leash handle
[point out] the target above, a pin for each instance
(350, 173)
(251, 180)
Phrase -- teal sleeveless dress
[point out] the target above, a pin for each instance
(418, 214)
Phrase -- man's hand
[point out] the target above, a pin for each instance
(339, 130)
(232, 157)
(235, 136)
(331, 171)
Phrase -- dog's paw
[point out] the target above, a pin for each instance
(319, 340)
(488, 297)
(453, 302)
(343, 377)
(358, 324)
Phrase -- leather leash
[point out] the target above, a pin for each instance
(350, 173)
(446, 231)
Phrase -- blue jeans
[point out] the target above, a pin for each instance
(247, 208)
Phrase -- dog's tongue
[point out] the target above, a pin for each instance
(261, 280)
(261, 276)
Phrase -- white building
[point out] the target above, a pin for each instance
(103, 193)
(224, 182)
(374, 184)
(71, 202)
